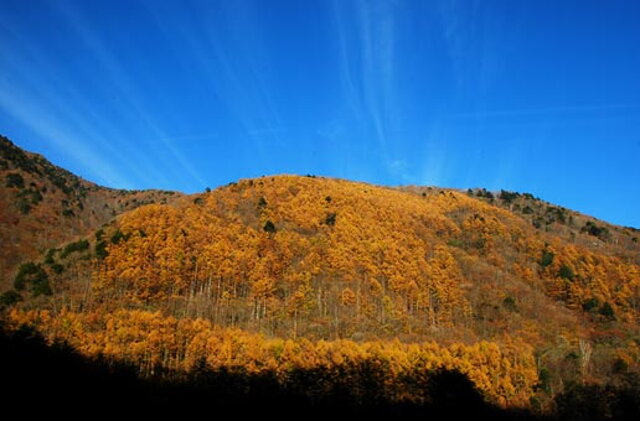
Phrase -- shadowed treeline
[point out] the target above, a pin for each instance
(56, 380)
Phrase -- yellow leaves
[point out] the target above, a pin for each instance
(445, 279)
(576, 275)
(525, 272)
(348, 297)
(375, 287)
(380, 268)
(379, 243)
(262, 288)
(506, 372)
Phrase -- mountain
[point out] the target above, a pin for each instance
(42, 206)
(329, 276)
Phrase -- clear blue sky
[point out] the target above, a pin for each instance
(533, 96)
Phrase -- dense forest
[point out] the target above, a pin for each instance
(328, 289)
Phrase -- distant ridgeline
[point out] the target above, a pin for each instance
(287, 273)
(43, 206)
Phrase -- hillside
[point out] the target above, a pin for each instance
(569, 225)
(42, 206)
(284, 272)
(351, 260)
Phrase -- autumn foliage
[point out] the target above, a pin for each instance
(283, 273)
(506, 374)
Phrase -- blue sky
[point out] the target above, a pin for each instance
(534, 96)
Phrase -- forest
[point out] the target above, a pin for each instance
(328, 292)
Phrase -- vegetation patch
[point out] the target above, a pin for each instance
(14, 180)
(33, 278)
(78, 246)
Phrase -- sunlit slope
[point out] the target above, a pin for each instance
(289, 272)
(329, 258)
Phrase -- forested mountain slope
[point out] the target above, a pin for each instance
(285, 272)
(42, 205)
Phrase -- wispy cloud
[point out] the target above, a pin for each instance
(233, 59)
(41, 122)
(404, 171)
(29, 98)
(366, 41)
(348, 78)
(267, 131)
(553, 110)
(377, 67)
(433, 169)
(473, 32)
(121, 83)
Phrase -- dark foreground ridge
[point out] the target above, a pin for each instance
(56, 380)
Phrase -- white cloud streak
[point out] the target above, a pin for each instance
(553, 110)
(369, 60)
(125, 89)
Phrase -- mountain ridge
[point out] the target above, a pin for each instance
(555, 295)
(43, 205)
